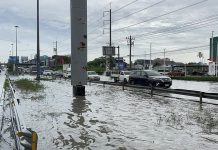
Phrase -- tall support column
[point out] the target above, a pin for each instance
(16, 50)
(150, 67)
(78, 46)
(38, 46)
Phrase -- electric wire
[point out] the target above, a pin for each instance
(138, 11)
(200, 23)
(182, 8)
(115, 11)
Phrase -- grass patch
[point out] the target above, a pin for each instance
(29, 85)
(193, 78)
(6, 84)
(47, 79)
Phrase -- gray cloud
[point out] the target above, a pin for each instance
(55, 25)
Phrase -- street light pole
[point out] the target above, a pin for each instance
(164, 61)
(16, 47)
(150, 56)
(38, 51)
(216, 60)
(12, 51)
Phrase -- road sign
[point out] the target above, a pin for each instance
(108, 51)
(212, 71)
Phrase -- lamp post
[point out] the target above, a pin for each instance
(38, 46)
(16, 47)
(12, 51)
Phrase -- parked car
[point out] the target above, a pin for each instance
(176, 73)
(67, 73)
(92, 75)
(123, 76)
(47, 72)
(58, 74)
(164, 72)
(149, 77)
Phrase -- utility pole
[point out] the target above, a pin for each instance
(130, 42)
(145, 60)
(150, 55)
(12, 49)
(38, 46)
(110, 39)
(217, 60)
(118, 58)
(16, 48)
(212, 46)
(108, 58)
(164, 61)
(56, 48)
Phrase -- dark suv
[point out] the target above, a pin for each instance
(149, 77)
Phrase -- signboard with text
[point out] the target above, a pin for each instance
(108, 51)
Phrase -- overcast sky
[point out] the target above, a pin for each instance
(167, 24)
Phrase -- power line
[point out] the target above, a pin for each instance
(139, 11)
(184, 25)
(112, 12)
(124, 6)
(196, 24)
(188, 6)
(175, 50)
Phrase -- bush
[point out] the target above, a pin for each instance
(29, 85)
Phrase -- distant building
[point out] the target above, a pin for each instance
(58, 60)
(215, 41)
(24, 59)
(12, 59)
(139, 63)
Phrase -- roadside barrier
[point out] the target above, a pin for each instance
(201, 95)
(25, 138)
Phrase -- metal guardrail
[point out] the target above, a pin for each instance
(192, 93)
(25, 138)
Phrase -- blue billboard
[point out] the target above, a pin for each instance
(12, 59)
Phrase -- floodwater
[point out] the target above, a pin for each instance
(108, 118)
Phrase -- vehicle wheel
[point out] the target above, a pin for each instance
(115, 80)
(152, 84)
(132, 82)
(125, 81)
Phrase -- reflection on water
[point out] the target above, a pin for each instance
(76, 120)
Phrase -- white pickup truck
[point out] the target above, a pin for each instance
(123, 76)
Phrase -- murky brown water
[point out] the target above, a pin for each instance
(111, 119)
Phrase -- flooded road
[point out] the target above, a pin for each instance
(108, 118)
(111, 119)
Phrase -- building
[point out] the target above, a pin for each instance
(24, 59)
(139, 63)
(214, 47)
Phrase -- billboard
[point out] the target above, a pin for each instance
(108, 51)
(212, 70)
(12, 59)
(214, 47)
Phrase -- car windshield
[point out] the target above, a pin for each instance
(127, 72)
(47, 70)
(92, 73)
(152, 73)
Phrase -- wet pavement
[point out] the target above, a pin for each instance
(108, 118)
